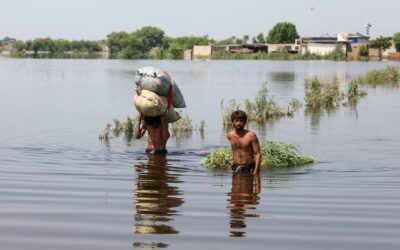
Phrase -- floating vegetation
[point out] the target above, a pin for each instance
(354, 93)
(321, 95)
(117, 128)
(261, 110)
(182, 127)
(274, 155)
(227, 111)
(390, 76)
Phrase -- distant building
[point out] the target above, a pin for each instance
(324, 45)
(283, 47)
(206, 51)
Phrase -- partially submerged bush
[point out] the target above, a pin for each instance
(119, 127)
(354, 92)
(261, 110)
(320, 95)
(388, 76)
(185, 125)
(274, 155)
(182, 125)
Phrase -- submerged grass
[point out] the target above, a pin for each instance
(185, 125)
(274, 155)
(390, 76)
(117, 128)
(322, 95)
(182, 127)
(261, 110)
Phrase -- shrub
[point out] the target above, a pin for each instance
(274, 155)
(321, 95)
(388, 76)
(363, 51)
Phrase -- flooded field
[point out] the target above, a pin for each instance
(63, 188)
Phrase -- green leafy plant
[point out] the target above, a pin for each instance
(273, 155)
(363, 51)
(262, 109)
(119, 127)
(320, 95)
(183, 125)
(388, 76)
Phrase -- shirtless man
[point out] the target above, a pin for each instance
(245, 146)
(158, 134)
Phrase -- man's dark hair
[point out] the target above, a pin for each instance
(152, 121)
(239, 114)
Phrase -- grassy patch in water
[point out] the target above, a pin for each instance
(274, 155)
(261, 110)
(185, 125)
(322, 95)
(118, 128)
(390, 76)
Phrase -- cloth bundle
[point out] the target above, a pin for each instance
(157, 94)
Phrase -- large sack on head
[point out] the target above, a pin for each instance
(172, 116)
(158, 81)
(149, 103)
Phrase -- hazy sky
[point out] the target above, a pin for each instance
(94, 19)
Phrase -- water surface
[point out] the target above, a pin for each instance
(61, 188)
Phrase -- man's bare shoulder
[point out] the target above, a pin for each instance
(251, 135)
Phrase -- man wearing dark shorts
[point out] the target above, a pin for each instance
(245, 146)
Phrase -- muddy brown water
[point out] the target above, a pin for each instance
(61, 188)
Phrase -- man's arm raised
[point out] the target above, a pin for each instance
(140, 128)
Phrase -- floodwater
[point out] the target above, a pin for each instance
(62, 188)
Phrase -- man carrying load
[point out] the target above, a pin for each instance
(158, 134)
(156, 97)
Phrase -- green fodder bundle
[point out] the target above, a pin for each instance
(274, 155)
(388, 76)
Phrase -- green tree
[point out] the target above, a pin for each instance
(396, 40)
(228, 41)
(260, 38)
(381, 43)
(363, 51)
(150, 37)
(246, 38)
(19, 46)
(283, 32)
(115, 42)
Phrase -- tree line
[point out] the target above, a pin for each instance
(152, 43)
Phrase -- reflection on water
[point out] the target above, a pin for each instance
(315, 116)
(243, 199)
(283, 76)
(155, 197)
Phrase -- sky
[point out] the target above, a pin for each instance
(94, 19)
